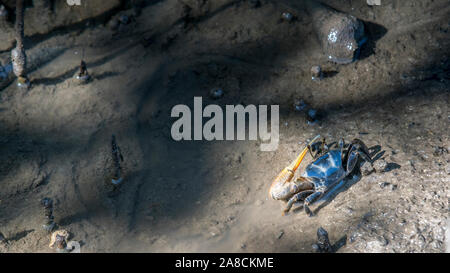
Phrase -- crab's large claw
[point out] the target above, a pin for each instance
(278, 190)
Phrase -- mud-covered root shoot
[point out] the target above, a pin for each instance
(83, 75)
(49, 224)
(18, 56)
(323, 242)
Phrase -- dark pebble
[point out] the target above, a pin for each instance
(124, 19)
(287, 16)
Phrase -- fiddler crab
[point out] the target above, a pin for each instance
(330, 166)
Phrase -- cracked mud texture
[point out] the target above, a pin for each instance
(213, 196)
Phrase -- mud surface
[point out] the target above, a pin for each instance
(200, 196)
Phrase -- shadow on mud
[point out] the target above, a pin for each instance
(374, 33)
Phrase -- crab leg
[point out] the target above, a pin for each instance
(286, 175)
(311, 199)
(297, 197)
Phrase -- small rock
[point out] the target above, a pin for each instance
(380, 165)
(349, 210)
(439, 151)
(216, 93)
(124, 19)
(367, 169)
(388, 185)
(113, 24)
(287, 16)
(316, 72)
(280, 235)
(312, 115)
(300, 105)
(73, 247)
(374, 2)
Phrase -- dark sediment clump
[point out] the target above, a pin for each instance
(341, 35)
(323, 244)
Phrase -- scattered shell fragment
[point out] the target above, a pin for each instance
(59, 239)
(374, 2)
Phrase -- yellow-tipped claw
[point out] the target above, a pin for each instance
(287, 173)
